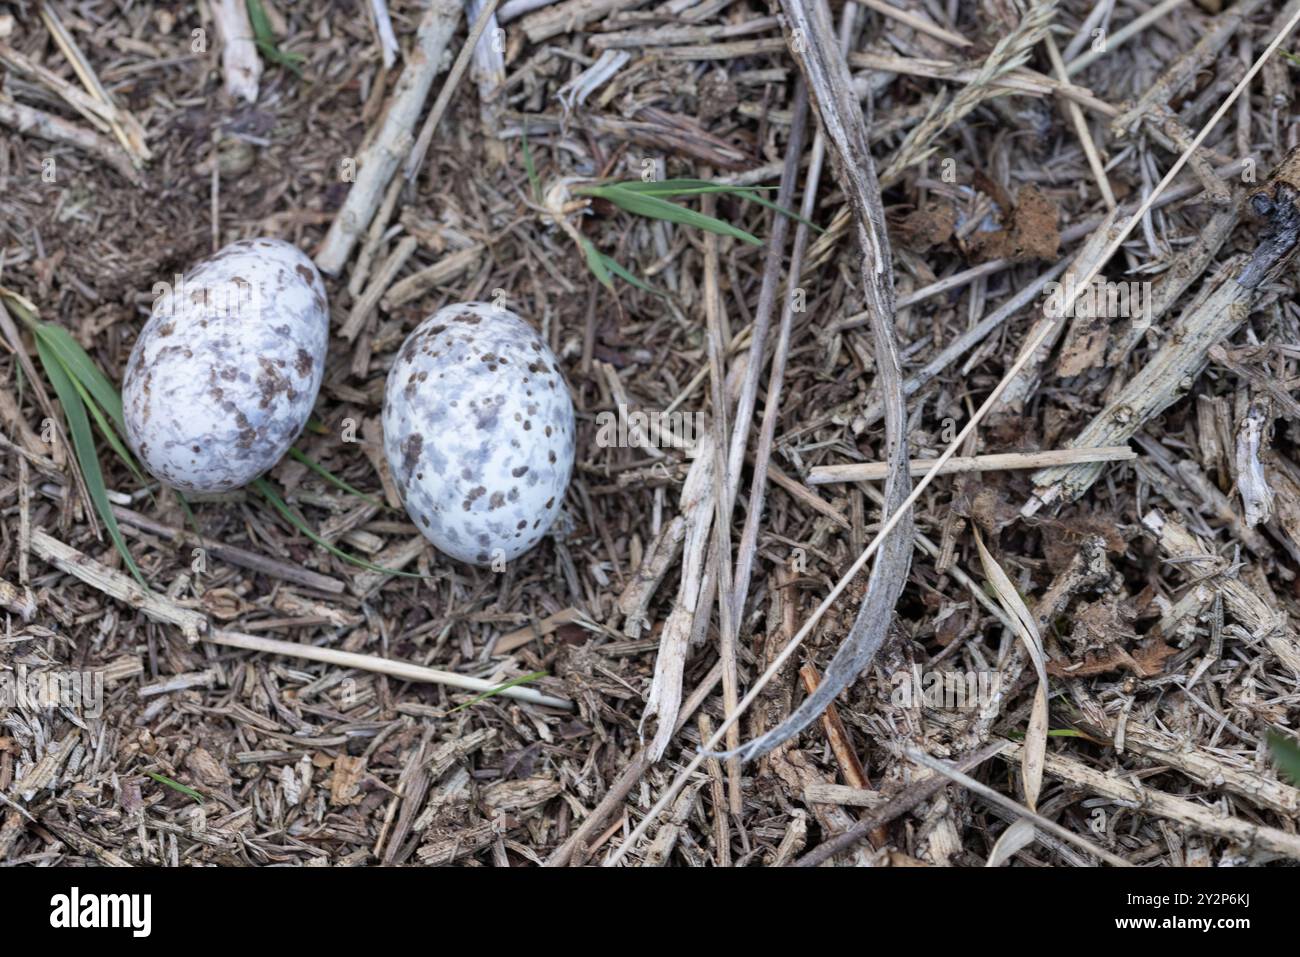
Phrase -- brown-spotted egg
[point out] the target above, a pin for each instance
(479, 432)
(225, 373)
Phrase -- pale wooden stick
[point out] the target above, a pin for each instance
(384, 666)
(420, 282)
(98, 114)
(381, 158)
(1184, 70)
(17, 600)
(81, 566)
(368, 300)
(1204, 819)
(416, 157)
(241, 67)
(26, 119)
(384, 30)
(1221, 306)
(195, 625)
(997, 462)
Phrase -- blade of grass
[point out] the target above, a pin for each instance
(265, 40)
(294, 519)
(333, 479)
(622, 273)
(603, 266)
(698, 187)
(530, 168)
(652, 207)
(188, 791)
(681, 187)
(83, 444)
(96, 390)
(513, 682)
(596, 263)
(105, 428)
(82, 368)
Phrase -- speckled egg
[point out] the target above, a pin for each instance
(479, 432)
(226, 371)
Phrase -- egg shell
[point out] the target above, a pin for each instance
(225, 373)
(479, 432)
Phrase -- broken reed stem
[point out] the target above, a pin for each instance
(125, 589)
(26, 119)
(767, 429)
(903, 510)
(241, 66)
(1188, 813)
(998, 462)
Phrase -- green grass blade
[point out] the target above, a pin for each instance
(106, 429)
(513, 682)
(604, 267)
(83, 444)
(294, 519)
(622, 273)
(788, 214)
(530, 168)
(1287, 754)
(740, 192)
(265, 39)
(683, 187)
(698, 187)
(652, 207)
(333, 479)
(189, 515)
(82, 368)
(188, 791)
(596, 263)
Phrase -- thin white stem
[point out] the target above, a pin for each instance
(997, 462)
(384, 666)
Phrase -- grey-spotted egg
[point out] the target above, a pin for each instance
(225, 373)
(479, 432)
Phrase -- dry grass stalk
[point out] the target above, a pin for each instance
(875, 471)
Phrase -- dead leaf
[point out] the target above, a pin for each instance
(1029, 232)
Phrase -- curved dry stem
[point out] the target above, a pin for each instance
(830, 90)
